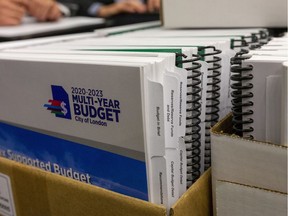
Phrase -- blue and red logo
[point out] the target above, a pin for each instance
(59, 105)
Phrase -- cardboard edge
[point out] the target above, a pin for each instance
(254, 187)
(237, 199)
(49, 184)
(198, 196)
(219, 128)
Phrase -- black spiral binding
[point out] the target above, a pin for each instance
(241, 94)
(193, 138)
(263, 37)
(212, 116)
(254, 41)
(238, 43)
(258, 39)
(253, 38)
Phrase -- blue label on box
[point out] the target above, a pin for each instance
(86, 164)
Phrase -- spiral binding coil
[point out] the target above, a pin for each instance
(253, 38)
(263, 37)
(213, 81)
(257, 40)
(212, 108)
(193, 134)
(243, 43)
(241, 94)
(255, 46)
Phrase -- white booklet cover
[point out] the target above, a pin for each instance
(159, 160)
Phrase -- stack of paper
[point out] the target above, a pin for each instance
(257, 108)
(254, 182)
(118, 111)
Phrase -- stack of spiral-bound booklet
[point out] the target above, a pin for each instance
(258, 92)
(249, 146)
(128, 110)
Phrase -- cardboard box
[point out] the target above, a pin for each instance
(247, 162)
(36, 192)
(241, 166)
(224, 13)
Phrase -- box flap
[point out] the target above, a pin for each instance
(37, 192)
(237, 200)
(224, 126)
(248, 162)
(197, 201)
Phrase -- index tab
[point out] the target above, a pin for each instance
(171, 106)
(156, 119)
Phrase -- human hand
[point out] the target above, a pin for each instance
(153, 5)
(126, 6)
(11, 12)
(44, 10)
